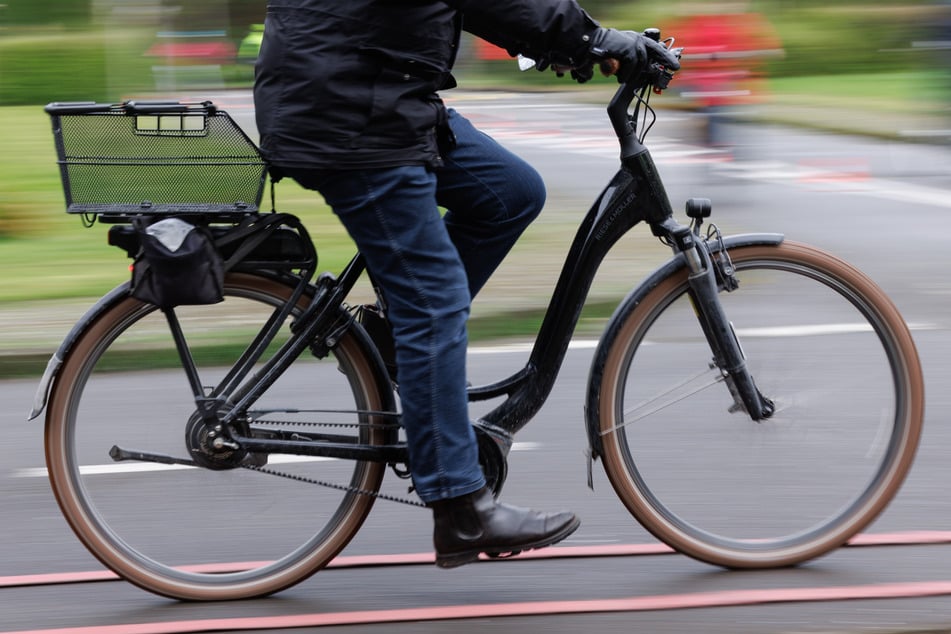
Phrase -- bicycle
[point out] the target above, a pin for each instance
(288, 428)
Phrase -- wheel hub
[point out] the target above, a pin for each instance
(208, 445)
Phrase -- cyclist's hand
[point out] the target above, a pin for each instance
(583, 73)
(580, 74)
(633, 50)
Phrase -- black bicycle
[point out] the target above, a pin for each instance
(263, 424)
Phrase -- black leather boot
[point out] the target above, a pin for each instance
(475, 523)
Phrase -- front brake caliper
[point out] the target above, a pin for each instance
(722, 264)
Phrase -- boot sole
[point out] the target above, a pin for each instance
(455, 560)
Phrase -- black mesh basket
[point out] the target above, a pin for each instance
(136, 158)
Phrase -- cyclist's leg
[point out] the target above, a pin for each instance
(491, 196)
(393, 217)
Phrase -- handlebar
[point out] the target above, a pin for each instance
(655, 77)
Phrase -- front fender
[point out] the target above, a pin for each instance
(56, 361)
(634, 298)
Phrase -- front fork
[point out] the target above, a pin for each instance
(709, 272)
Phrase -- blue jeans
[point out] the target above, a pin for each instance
(429, 267)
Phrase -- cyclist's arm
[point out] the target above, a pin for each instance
(556, 31)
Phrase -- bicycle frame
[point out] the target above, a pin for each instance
(635, 194)
(611, 216)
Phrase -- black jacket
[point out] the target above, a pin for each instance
(353, 83)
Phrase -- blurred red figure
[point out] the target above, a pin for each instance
(725, 51)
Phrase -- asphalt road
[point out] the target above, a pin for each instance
(881, 205)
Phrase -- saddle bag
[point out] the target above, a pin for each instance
(177, 264)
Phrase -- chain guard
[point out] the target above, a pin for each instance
(200, 440)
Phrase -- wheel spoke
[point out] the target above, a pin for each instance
(668, 398)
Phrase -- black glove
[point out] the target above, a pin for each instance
(583, 73)
(580, 74)
(633, 50)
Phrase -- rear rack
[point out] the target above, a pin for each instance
(135, 158)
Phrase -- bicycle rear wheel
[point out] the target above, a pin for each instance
(198, 533)
(834, 354)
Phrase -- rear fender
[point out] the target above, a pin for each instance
(56, 361)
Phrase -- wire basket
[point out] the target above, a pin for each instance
(118, 161)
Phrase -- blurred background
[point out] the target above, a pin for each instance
(879, 68)
(103, 49)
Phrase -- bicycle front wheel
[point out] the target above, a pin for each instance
(201, 533)
(824, 343)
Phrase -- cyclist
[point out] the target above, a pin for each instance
(346, 96)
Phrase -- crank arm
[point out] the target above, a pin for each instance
(118, 454)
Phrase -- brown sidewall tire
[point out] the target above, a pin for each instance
(910, 384)
(211, 587)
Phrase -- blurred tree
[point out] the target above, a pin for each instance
(34, 12)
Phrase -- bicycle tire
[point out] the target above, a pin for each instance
(827, 345)
(228, 534)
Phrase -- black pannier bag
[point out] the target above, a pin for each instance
(177, 264)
